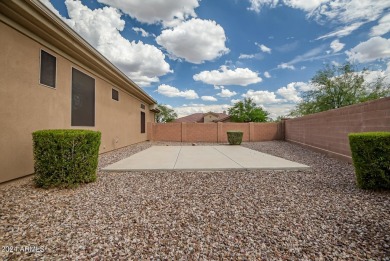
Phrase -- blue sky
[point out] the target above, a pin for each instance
(200, 56)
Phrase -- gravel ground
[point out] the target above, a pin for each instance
(316, 214)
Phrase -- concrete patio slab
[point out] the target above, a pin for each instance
(251, 159)
(202, 158)
(154, 158)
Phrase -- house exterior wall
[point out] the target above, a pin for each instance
(27, 106)
(213, 132)
(328, 131)
(209, 118)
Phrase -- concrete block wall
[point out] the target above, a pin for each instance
(328, 131)
(213, 132)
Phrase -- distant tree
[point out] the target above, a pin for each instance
(279, 118)
(335, 87)
(166, 114)
(247, 111)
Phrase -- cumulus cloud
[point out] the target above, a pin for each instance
(225, 76)
(262, 97)
(143, 63)
(200, 108)
(373, 49)
(303, 86)
(276, 110)
(142, 31)
(171, 91)
(289, 93)
(382, 27)
(225, 93)
(167, 12)
(194, 40)
(286, 66)
(336, 46)
(267, 75)
(208, 98)
(264, 48)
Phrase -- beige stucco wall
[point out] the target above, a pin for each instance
(26, 105)
(209, 118)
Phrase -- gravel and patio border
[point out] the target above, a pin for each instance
(315, 214)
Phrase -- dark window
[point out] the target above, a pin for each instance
(83, 99)
(143, 106)
(142, 122)
(115, 95)
(48, 69)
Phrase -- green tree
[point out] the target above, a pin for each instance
(166, 114)
(247, 111)
(335, 87)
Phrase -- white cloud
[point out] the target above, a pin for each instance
(262, 97)
(382, 28)
(200, 108)
(168, 12)
(171, 91)
(350, 14)
(194, 40)
(142, 31)
(264, 48)
(235, 101)
(351, 11)
(246, 56)
(289, 93)
(306, 5)
(276, 110)
(267, 75)
(256, 5)
(225, 76)
(143, 63)
(303, 86)
(336, 46)
(225, 93)
(370, 50)
(208, 98)
(311, 55)
(286, 66)
(344, 31)
(337, 64)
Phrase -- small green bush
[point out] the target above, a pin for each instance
(65, 158)
(371, 158)
(235, 137)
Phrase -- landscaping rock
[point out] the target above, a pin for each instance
(316, 214)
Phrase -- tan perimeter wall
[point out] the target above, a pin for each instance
(213, 132)
(328, 131)
(27, 106)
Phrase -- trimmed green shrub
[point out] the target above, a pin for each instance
(65, 158)
(371, 159)
(235, 137)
